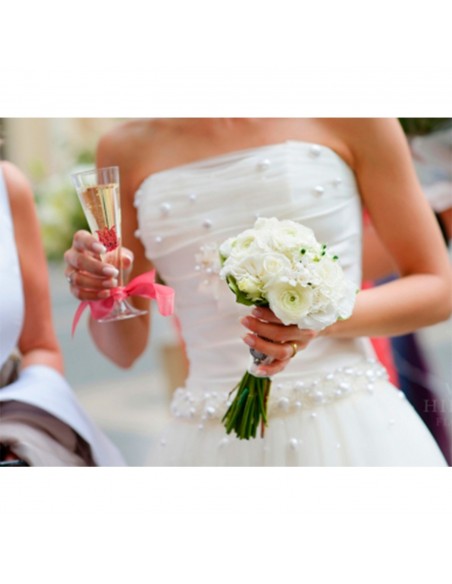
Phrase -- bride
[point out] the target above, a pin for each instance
(189, 184)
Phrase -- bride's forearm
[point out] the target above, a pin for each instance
(397, 308)
(123, 341)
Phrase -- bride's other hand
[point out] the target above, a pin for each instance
(274, 339)
(89, 278)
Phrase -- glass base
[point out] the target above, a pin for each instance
(122, 310)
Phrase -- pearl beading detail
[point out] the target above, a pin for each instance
(285, 397)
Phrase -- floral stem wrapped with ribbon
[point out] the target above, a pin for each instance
(282, 266)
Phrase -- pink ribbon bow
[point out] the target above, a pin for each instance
(143, 285)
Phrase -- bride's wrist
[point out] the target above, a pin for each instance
(328, 331)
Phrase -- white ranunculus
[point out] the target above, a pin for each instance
(275, 266)
(347, 301)
(290, 303)
(252, 264)
(225, 248)
(251, 286)
(291, 237)
(329, 271)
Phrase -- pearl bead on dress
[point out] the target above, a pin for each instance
(223, 442)
(165, 209)
(315, 150)
(263, 165)
(293, 443)
(318, 190)
(283, 403)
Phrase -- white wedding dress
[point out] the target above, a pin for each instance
(39, 413)
(333, 404)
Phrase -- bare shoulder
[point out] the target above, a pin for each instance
(25, 217)
(367, 139)
(19, 188)
(132, 146)
(373, 139)
(126, 141)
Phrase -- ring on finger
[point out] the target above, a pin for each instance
(70, 276)
(294, 349)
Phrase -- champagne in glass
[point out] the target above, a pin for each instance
(98, 192)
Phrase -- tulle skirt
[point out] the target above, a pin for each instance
(332, 422)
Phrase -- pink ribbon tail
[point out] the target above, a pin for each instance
(143, 285)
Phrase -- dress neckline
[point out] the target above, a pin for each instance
(219, 158)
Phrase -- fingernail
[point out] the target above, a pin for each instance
(245, 321)
(257, 312)
(99, 248)
(104, 294)
(110, 271)
(110, 283)
(249, 340)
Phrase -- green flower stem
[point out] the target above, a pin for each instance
(248, 409)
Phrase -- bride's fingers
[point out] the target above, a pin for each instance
(87, 263)
(265, 314)
(280, 351)
(278, 333)
(85, 241)
(275, 367)
(83, 294)
(87, 281)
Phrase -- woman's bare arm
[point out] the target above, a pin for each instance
(407, 228)
(122, 341)
(38, 343)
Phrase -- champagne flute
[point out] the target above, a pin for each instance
(98, 192)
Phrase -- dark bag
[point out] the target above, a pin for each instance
(8, 374)
(10, 370)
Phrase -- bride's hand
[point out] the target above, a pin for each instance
(274, 339)
(90, 278)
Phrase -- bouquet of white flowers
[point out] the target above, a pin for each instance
(280, 265)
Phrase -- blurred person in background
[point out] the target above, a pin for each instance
(41, 420)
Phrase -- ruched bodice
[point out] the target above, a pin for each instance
(186, 212)
(11, 293)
